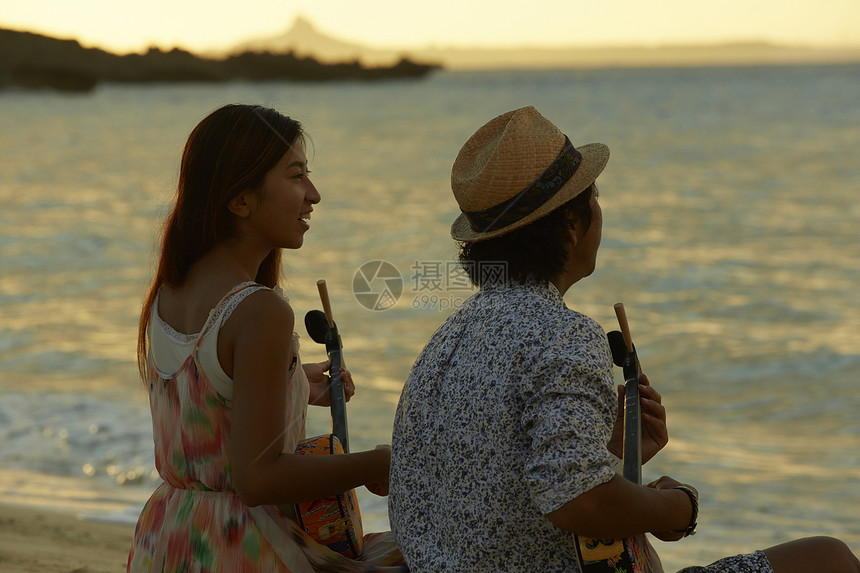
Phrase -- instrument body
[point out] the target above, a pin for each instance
(631, 555)
(333, 521)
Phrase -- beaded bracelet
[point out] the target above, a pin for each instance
(691, 528)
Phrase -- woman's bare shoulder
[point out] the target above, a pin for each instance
(264, 310)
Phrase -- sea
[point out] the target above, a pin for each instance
(731, 234)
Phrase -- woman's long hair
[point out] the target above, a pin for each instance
(228, 152)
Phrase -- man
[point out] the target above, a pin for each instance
(506, 430)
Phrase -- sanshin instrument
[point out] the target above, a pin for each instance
(333, 521)
(634, 554)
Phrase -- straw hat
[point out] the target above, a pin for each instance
(516, 169)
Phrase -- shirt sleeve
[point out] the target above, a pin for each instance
(568, 414)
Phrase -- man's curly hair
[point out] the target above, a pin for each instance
(534, 251)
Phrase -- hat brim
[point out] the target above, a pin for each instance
(594, 159)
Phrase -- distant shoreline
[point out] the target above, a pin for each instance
(34, 61)
(730, 54)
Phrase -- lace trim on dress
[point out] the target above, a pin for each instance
(171, 333)
(221, 313)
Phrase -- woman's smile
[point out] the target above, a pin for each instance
(304, 218)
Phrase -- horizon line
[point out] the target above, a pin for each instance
(750, 42)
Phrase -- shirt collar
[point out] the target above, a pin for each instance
(543, 289)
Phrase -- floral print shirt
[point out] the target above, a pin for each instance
(504, 418)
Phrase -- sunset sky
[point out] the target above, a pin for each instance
(124, 26)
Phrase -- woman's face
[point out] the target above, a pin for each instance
(285, 202)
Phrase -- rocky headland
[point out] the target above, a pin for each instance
(34, 61)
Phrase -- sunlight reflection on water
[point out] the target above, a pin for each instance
(730, 234)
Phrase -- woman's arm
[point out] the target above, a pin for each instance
(262, 328)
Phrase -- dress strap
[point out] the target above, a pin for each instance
(214, 311)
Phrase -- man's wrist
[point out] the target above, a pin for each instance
(694, 515)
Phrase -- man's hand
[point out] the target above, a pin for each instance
(655, 433)
(666, 482)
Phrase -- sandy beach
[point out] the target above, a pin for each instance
(55, 541)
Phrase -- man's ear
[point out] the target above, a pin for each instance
(241, 204)
(570, 234)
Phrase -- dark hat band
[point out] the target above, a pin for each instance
(529, 199)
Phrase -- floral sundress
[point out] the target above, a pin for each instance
(194, 521)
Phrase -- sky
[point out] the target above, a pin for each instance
(203, 25)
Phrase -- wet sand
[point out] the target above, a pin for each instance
(55, 541)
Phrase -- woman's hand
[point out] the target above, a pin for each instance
(319, 382)
(655, 434)
(380, 487)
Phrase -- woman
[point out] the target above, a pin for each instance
(229, 398)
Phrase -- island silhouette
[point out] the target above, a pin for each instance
(34, 61)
